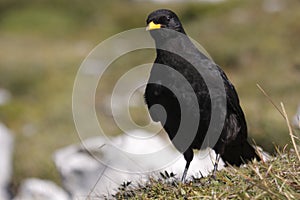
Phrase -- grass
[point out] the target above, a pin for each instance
(43, 44)
(277, 178)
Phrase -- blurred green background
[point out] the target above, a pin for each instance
(43, 43)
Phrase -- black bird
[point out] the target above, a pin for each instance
(187, 90)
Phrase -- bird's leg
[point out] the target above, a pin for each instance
(188, 156)
(185, 171)
(216, 165)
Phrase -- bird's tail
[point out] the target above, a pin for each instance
(240, 154)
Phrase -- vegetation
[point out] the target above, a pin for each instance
(44, 42)
(275, 179)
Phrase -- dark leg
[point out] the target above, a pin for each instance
(216, 165)
(188, 156)
(185, 171)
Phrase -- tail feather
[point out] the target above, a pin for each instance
(239, 154)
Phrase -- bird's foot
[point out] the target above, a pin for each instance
(213, 176)
(215, 166)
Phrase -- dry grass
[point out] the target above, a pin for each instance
(277, 178)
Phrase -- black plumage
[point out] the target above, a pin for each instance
(184, 94)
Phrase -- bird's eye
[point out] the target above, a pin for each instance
(165, 19)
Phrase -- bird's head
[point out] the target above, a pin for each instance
(163, 18)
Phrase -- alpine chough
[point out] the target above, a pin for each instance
(182, 90)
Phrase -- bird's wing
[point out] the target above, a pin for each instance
(236, 119)
(156, 93)
(214, 73)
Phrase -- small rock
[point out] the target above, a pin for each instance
(5, 96)
(78, 169)
(6, 151)
(37, 189)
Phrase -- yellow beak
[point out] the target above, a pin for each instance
(152, 26)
